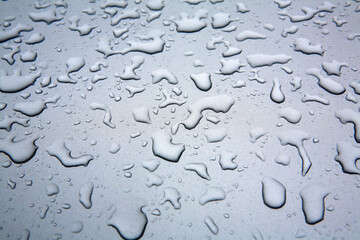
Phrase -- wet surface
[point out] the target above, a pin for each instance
(195, 119)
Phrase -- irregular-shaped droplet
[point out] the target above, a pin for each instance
(85, 193)
(256, 133)
(43, 211)
(290, 30)
(313, 201)
(209, 222)
(350, 116)
(276, 94)
(261, 155)
(150, 43)
(211, 44)
(120, 31)
(97, 66)
(74, 64)
(61, 3)
(164, 148)
(96, 78)
(76, 226)
(333, 67)
(215, 135)
(10, 56)
(19, 151)
(155, 5)
(14, 32)
(230, 66)
(273, 192)
(314, 98)
(2, 106)
(104, 47)
(239, 84)
(199, 168)
(194, 2)
(356, 86)
(28, 56)
(248, 34)
(309, 13)
(52, 189)
(66, 79)
(282, 159)
(49, 16)
(296, 83)
(35, 38)
(63, 154)
(134, 90)
(260, 60)
(220, 20)
(202, 81)
(191, 24)
(89, 11)
(114, 3)
(351, 98)
(34, 108)
(16, 82)
(151, 165)
(291, 115)
(352, 36)
(8, 121)
(11, 184)
(126, 14)
(287, 70)
(212, 194)
(172, 196)
(219, 103)
(348, 155)
(230, 50)
(130, 221)
(241, 7)
(170, 101)
(45, 81)
(256, 77)
(114, 148)
(141, 114)
(269, 27)
(295, 138)
(107, 116)
(226, 160)
(129, 71)
(160, 74)
(83, 30)
(282, 4)
(304, 45)
(153, 179)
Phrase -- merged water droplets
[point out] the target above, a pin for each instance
(93, 100)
